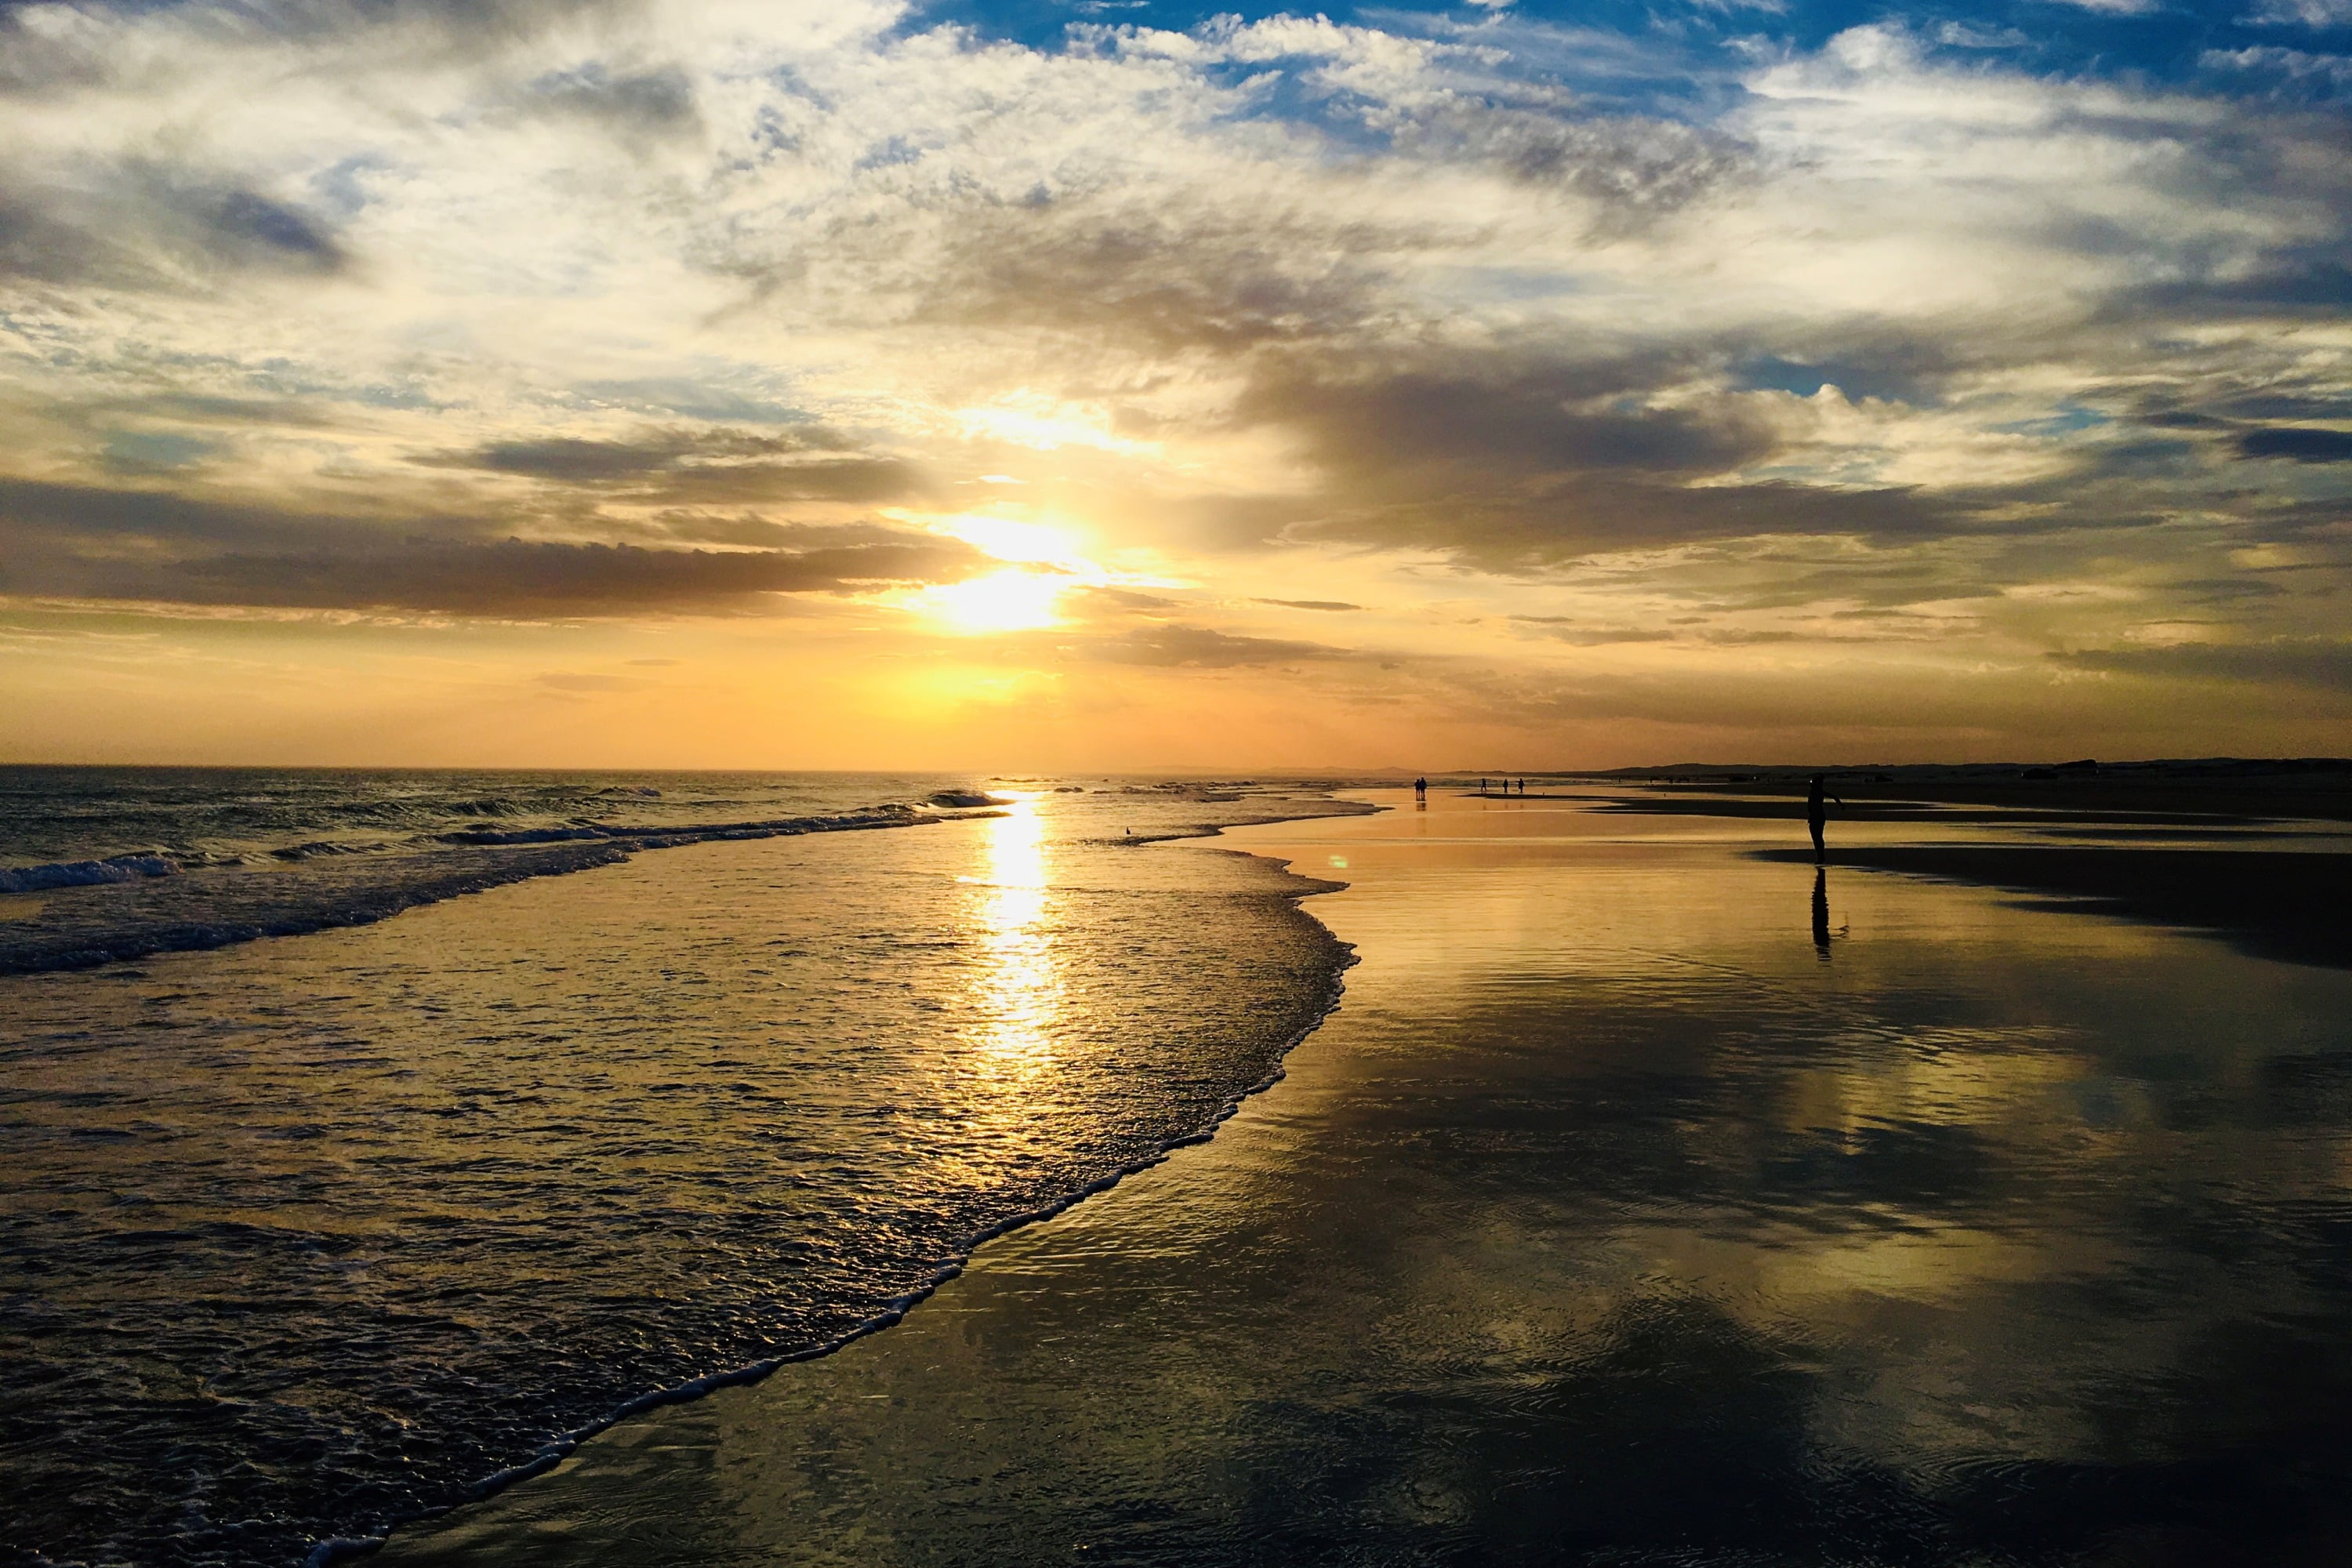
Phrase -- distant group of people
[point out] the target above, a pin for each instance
(1486, 786)
(1818, 794)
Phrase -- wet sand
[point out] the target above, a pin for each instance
(2315, 788)
(2296, 907)
(1648, 1200)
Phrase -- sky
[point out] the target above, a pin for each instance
(1027, 385)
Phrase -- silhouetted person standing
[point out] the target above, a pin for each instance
(1421, 791)
(1817, 815)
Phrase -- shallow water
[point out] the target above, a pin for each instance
(1628, 1210)
(302, 1235)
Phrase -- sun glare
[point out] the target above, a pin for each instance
(1029, 543)
(1014, 600)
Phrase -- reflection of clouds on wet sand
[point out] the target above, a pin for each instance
(1605, 1222)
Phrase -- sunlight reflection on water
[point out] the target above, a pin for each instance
(1019, 991)
(1607, 1222)
(275, 1220)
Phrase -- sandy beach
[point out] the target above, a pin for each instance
(1646, 1200)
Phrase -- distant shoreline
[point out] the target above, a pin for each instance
(2317, 787)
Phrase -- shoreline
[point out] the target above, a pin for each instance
(432, 877)
(1542, 1252)
(337, 1548)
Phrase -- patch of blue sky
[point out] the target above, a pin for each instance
(1862, 467)
(2070, 419)
(380, 394)
(339, 191)
(721, 395)
(1294, 92)
(889, 152)
(2160, 41)
(1888, 383)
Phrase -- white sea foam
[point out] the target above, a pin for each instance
(792, 1081)
(84, 873)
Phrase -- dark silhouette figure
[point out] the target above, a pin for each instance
(1421, 794)
(1817, 815)
(1822, 912)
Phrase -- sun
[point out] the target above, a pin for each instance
(1013, 600)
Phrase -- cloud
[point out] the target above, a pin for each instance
(140, 223)
(2305, 446)
(1200, 647)
(518, 579)
(1513, 423)
(1126, 601)
(565, 680)
(639, 107)
(1573, 630)
(1520, 342)
(714, 467)
(2290, 68)
(2319, 664)
(1631, 167)
(1965, 36)
(2301, 13)
(104, 544)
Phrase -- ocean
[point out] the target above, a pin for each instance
(1651, 1200)
(300, 1238)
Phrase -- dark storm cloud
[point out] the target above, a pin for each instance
(1199, 647)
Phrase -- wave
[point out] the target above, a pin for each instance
(107, 919)
(84, 873)
(664, 836)
(1336, 958)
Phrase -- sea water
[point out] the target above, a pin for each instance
(1648, 1200)
(305, 1236)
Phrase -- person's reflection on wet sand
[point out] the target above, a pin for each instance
(1822, 912)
